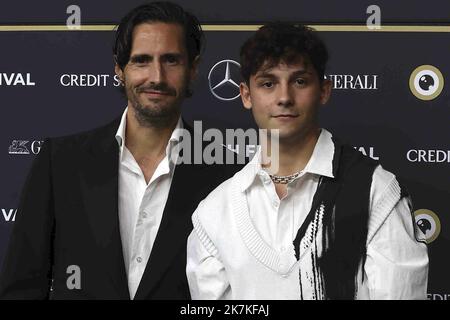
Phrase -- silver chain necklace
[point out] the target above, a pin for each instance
(284, 179)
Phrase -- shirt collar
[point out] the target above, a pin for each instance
(120, 134)
(320, 163)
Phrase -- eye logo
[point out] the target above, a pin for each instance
(426, 82)
(428, 222)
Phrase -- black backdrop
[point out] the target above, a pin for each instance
(382, 117)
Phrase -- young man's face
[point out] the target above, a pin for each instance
(158, 73)
(286, 97)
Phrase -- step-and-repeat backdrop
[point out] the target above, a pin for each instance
(390, 96)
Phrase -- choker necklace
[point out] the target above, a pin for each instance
(284, 179)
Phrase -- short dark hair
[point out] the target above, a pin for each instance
(282, 41)
(162, 11)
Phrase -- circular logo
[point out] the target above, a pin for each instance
(224, 79)
(426, 82)
(428, 222)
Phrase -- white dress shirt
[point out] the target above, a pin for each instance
(141, 205)
(396, 265)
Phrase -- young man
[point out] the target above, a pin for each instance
(330, 223)
(105, 214)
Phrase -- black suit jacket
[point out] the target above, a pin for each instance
(68, 215)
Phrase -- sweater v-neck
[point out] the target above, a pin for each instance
(280, 262)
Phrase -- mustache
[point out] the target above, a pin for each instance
(161, 87)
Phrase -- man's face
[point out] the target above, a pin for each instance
(286, 97)
(158, 73)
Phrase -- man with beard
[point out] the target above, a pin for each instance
(105, 214)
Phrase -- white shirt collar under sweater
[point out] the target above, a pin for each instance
(320, 163)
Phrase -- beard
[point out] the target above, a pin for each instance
(155, 113)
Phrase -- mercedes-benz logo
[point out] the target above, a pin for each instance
(221, 83)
